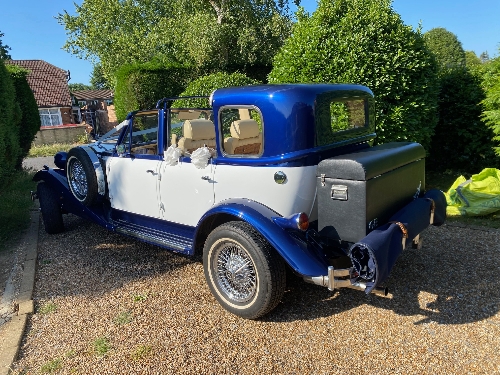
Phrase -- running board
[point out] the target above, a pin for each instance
(178, 242)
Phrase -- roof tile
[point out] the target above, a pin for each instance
(48, 83)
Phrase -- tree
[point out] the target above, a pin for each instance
(471, 60)
(98, 80)
(484, 57)
(78, 87)
(10, 117)
(491, 103)
(29, 121)
(446, 47)
(4, 49)
(216, 33)
(461, 140)
(205, 85)
(366, 42)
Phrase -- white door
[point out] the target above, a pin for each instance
(133, 185)
(186, 192)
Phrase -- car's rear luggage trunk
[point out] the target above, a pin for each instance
(357, 192)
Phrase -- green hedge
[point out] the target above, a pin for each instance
(462, 141)
(205, 85)
(140, 86)
(10, 117)
(30, 118)
(366, 42)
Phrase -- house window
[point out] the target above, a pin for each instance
(50, 116)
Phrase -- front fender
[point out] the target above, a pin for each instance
(301, 257)
(56, 180)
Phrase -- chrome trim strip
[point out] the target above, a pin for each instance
(101, 183)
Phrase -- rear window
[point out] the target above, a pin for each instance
(339, 119)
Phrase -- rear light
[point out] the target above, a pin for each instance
(295, 221)
(303, 221)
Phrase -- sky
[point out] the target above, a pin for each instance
(33, 33)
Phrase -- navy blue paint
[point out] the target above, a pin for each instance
(288, 112)
(374, 256)
(301, 257)
(56, 179)
(168, 228)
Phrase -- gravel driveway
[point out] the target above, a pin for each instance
(107, 304)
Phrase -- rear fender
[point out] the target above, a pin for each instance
(300, 256)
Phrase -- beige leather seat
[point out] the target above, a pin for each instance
(245, 139)
(197, 133)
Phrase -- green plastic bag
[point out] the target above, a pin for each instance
(475, 197)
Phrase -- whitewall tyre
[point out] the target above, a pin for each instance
(243, 272)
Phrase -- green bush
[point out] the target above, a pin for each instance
(446, 48)
(204, 86)
(140, 86)
(30, 119)
(366, 42)
(462, 140)
(491, 103)
(10, 117)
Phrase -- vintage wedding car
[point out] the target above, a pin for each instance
(264, 178)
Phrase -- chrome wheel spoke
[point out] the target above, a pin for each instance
(235, 272)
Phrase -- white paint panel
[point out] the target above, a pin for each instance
(257, 183)
(131, 187)
(186, 192)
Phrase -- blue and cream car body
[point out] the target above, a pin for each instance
(261, 179)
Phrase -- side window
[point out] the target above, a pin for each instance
(145, 133)
(339, 118)
(241, 129)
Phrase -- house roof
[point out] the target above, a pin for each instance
(93, 94)
(48, 83)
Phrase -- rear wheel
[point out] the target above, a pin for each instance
(243, 272)
(51, 209)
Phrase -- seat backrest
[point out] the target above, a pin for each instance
(245, 139)
(197, 133)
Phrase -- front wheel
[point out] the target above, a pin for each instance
(243, 272)
(50, 208)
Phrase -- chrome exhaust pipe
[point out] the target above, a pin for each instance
(332, 283)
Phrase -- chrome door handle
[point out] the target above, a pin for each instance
(150, 171)
(206, 178)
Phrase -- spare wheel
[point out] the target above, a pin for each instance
(81, 174)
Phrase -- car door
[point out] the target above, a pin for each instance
(133, 172)
(186, 192)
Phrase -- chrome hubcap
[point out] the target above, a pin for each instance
(235, 272)
(77, 179)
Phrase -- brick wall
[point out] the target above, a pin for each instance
(59, 134)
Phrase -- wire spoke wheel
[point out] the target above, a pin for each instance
(78, 179)
(235, 271)
(243, 271)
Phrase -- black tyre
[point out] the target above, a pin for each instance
(81, 176)
(51, 209)
(243, 272)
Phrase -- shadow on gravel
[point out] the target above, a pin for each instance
(457, 272)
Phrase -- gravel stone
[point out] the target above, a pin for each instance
(442, 316)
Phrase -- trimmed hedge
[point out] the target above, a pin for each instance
(30, 118)
(140, 86)
(10, 117)
(462, 141)
(366, 42)
(204, 86)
